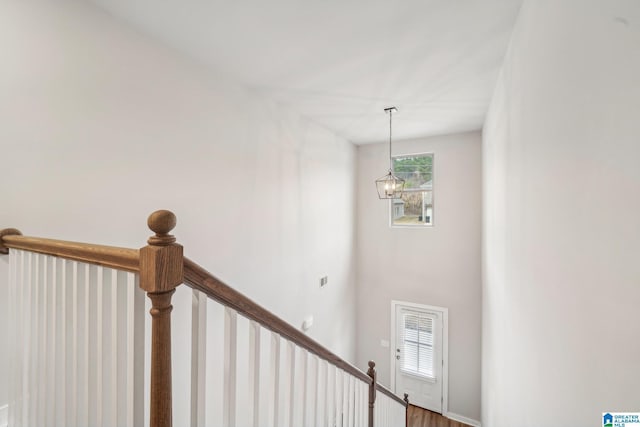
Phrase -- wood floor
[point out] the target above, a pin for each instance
(419, 417)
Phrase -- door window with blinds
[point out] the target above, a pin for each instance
(417, 344)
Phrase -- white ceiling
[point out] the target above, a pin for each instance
(340, 62)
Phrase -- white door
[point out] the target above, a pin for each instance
(419, 356)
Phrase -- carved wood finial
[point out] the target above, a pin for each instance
(162, 222)
(372, 370)
(7, 232)
(161, 262)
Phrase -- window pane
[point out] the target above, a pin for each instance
(414, 208)
(411, 334)
(417, 336)
(415, 170)
(425, 363)
(410, 359)
(426, 331)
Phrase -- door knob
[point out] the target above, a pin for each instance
(398, 357)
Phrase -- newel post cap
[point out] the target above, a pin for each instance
(162, 222)
(372, 370)
(161, 262)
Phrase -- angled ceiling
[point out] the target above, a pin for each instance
(340, 62)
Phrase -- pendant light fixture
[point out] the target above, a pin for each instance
(390, 186)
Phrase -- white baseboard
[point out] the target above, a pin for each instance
(464, 420)
(4, 415)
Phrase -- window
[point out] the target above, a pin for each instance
(415, 208)
(417, 342)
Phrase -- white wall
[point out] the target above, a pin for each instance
(561, 232)
(100, 126)
(435, 266)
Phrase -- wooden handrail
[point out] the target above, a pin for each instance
(107, 256)
(389, 393)
(160, 268)
(198, 278)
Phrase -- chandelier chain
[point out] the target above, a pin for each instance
(390, 158)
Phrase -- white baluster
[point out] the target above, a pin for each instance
(12, 303)
(357, 403)
(229, 405)
(198, 358)
(61, 343)
(215, 354)
(311, 396)
(292, 362)
(266, 376)
(330, 419)
(244, 397)
(339, 398)
(321, 393)
(254, 372)
(33, 341)
(105, 377)
(364, 399)
(23, 362)
(140, 317)
(181, 342)
(49, 392)
(100, 303)
(299, 390)
(83, 340)
(274, 381)
(354, 402)
(114, 345)
(94, 328)
(42, 355)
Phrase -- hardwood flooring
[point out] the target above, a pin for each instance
(419, 417)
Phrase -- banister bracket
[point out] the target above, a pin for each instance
(7, 232)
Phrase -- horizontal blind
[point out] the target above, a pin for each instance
(417, 343)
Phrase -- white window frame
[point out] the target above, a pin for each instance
(433, 198)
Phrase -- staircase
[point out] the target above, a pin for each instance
(88, 354)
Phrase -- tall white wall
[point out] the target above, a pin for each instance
(561, 296)
(439, 265)
(100, 126)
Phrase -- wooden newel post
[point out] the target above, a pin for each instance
(372, 389)
(161, 271)
(406, 411)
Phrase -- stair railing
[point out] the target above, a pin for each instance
(287, 378)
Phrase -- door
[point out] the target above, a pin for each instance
(419, 355)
